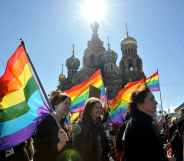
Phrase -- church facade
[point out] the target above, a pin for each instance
(97, 56)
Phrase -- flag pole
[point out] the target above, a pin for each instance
(106, 104)
(37, 78)
(162, 110)
(106, 99)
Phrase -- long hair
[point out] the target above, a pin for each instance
(89, 105)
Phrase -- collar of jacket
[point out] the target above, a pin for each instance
(142, 116)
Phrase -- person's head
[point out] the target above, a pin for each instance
(69, 155)
(93, 109)
(61, 103)
(143, 101)
(173, 120)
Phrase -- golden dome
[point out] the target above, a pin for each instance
(129, 40)
(62, 77)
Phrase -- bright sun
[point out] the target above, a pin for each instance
(93, 10)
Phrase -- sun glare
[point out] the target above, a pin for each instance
(93, 10)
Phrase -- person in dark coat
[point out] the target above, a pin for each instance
(119, 141)
(176, 141)
(24, 151)
(141, 137)
(90, 141)
(21, 152)
(50, 138)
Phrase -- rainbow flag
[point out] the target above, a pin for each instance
(80, 93)
(74, 117)
(153, 82)
(21, 104)
(119, 104)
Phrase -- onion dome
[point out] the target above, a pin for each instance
(110, 56)
(128, 40)
(62, 77)
(73, 62)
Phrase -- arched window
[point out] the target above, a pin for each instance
(130, 65)
(112, 67)
(128, 50)
(135, 51)
(123, 51)
(93, 61)
(132, 51)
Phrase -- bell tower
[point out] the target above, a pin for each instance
(131, 67)
(94, 50)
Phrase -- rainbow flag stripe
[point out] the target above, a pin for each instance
(80, 93)
(153, 82)
(119, 104)
(21, 104)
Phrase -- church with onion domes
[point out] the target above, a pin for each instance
(96, 56)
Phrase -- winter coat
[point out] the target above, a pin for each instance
(46, 140)
(141, 139)
(89, 141)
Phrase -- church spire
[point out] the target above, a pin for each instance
(61, 76)
(73, 50)
(62, 69)
(108, 44)
(126, 29)
(95, 27)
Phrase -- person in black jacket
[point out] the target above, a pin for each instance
(119, 141)
(141, 137)
(21, 152)
(50, 138)
(176, 141)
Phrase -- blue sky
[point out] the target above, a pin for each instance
(50, 27)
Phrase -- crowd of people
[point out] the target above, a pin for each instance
(140, 137)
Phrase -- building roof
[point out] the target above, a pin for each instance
(180, 107)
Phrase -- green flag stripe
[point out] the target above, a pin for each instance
(21, 108)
